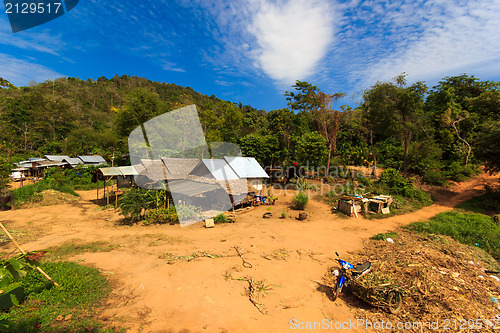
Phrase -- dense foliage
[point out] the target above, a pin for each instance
(439, 133)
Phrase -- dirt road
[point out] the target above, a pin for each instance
(209, 293)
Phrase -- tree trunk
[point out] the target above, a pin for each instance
(327, 171)
(469, 148)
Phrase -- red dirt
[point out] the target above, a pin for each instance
(150, 295)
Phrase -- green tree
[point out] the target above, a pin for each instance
(265, 148)
(394, 109)
(319, 106)
(142, 105)
(311, 147)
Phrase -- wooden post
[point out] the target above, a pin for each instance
(24, 252)
(97, 188)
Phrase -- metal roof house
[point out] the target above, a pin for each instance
(214, 168)
(249, 168)
(57, 158)
(73, 161)
(93, 160)
(246, 167)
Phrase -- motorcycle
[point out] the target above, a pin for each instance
(348, 274)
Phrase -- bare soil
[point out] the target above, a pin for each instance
(206, 288)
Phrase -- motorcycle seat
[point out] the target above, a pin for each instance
(360, 268)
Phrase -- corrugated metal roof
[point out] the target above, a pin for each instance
(128, 171)
(189, 187)
(219, 169)
(73, 160)
(58, 158)
(119, 171)
(246, 167)
(108, 172)
(94, 159)
(42, 164)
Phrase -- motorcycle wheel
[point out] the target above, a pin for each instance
(394, 301)
(335, 292)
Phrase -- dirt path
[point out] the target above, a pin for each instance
(290, 256)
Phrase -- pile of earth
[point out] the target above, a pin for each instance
(50, 197)
(444, 284)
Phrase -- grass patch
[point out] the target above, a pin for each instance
(472, 229)
(384, 236)
(76, 247)
(69, 308)
(487, 203)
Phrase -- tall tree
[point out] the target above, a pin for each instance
(394, 109)
(308, 98)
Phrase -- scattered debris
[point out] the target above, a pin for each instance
(267, 215)
(440, 279)
(240, 252)
(172, 259)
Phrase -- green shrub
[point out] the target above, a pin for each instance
(133, 201)
(161, 216)
(188, 212)
(435, 177)
(300, 201)
(221, 218)
(395, 184)
(303, 185)
(457, 171)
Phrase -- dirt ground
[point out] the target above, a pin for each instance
(209, 293)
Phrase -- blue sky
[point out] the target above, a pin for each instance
(252, 51)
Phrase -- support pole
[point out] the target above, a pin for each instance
(24, 252)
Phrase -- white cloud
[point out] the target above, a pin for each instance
(170, 66)
(432, 39)
(291, 37)
(30, 40)
(21, 72)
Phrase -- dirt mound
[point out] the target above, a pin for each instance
(442, 282)
(52, 197)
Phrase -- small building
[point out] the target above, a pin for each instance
(248, 168)
(93, 160)
(57, 158)
(73, 161)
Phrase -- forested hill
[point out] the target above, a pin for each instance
(438, 133)
(75, 117)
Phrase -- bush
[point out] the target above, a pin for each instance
(435, 177)
(221, 218)
(458, 172)
(300, 201)
(161, 216)
(133, 201)
(394, 183)
(188, 212)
